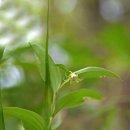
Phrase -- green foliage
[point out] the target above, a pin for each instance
(76, 98)
(2, 124)
(95, 72)
(31, 120)
(1, 53)
(57, 82)
(54, 76)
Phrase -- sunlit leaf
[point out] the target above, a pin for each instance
(76, 98)
(32, 119)
(95, 72)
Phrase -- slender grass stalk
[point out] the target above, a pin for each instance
(2, 123)
(47, 91)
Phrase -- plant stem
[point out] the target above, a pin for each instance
(2, 123)
(47, 92)
(53, 103)
(52, 109)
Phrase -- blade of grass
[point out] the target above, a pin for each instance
(47, 75)
(47, 91)
(2, 123)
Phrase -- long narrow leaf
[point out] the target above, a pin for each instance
(95, 72)
(2, 124)
(76, 98)
(32, 119)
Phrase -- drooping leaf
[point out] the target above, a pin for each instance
(32, 119)
(76, 98)
(95, 72)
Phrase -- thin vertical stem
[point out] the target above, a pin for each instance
(47, 33)
(2, 123)
(47, 75)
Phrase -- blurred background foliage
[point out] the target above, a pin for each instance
(82, 33)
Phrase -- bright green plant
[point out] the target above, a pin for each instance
(55, 77)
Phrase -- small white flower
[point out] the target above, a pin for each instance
(73, 75)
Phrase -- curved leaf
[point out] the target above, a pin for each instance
(34, 121)
(76, 98)
(95, 72)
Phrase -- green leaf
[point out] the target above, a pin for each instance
(64, 71)
(76, 98)
(64, 68)
(2, 124)
(1, 54)
(15, 52)
(40, 55)
(55, 75)
(32, 119)
(54, 70)
(95, 72)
